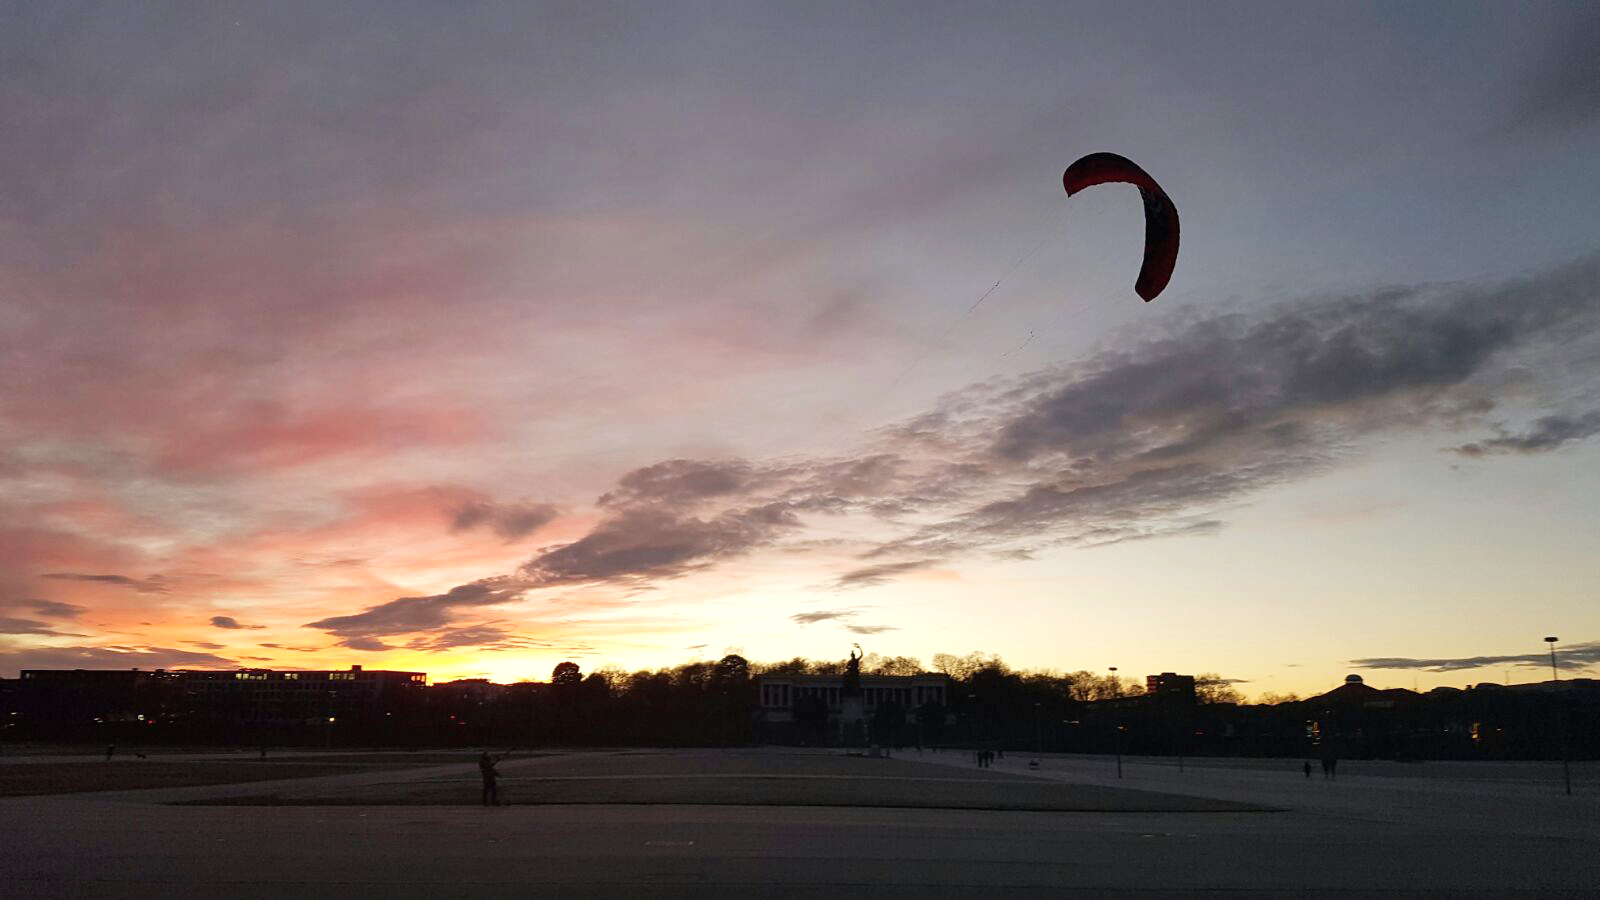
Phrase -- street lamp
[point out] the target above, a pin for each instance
(1561, 718)
(1038, 738)
(1116, 695)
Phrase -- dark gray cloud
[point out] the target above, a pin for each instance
(1143, 439)
(1264, 377)
(1545, 434)
(372, 645)
(644, 543)
(409, 615)
(231, 623)
(11, 625)
(142, 657)
(509, 521)
(882, 573)
(870, 629)
(821, 615)
(287, 647)
(152, 585)
(54, 609)
(206, 645)
(683, 483)
(1571, 656)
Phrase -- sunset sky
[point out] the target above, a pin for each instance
(469, 338)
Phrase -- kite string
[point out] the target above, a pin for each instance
(1048, 230)
(1060, 209)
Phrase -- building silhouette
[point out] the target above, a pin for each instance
(231, 705)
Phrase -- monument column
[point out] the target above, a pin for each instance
(852, 711)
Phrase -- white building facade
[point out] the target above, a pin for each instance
(778, 694)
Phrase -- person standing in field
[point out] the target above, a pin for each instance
(491, 791)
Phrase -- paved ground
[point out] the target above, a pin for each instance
(737, 778)
(1348, 838)
(26, 776)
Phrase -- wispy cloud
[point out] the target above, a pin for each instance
(88, 657)
(821, 615)
(12, 625)
(54, 609)
(883, 573)
(152, 585)
(231, 623)
(1571, 656)
(409, 615)
(646, 543)
(1545, 434)
(487, 636)
(509, 521)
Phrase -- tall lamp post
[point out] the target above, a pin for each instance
(1038, 738)
(1116, 696)
(1561, 718)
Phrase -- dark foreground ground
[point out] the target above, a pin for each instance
(51, 775)
(1388, 836)
(759, 778)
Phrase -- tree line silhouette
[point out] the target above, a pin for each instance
(989, 705)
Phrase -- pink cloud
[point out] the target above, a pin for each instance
(268, 436)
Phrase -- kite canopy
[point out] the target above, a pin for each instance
(1160, 216)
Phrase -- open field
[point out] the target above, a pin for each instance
(58, 775)
(749, 778)
(1359, 836)
(121, 775)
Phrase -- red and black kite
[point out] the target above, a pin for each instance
(1160, 216)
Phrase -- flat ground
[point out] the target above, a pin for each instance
(127, 771)
(738, 778)
(1389, 835)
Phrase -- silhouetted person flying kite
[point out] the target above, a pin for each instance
(486, 768)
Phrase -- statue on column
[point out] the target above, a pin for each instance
(852, 674)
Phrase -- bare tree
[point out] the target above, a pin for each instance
(891, 665)
(1209, 687)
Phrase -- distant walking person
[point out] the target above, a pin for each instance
(1330, 761)
(111, 750)
(491, 792)
(1308, 769)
